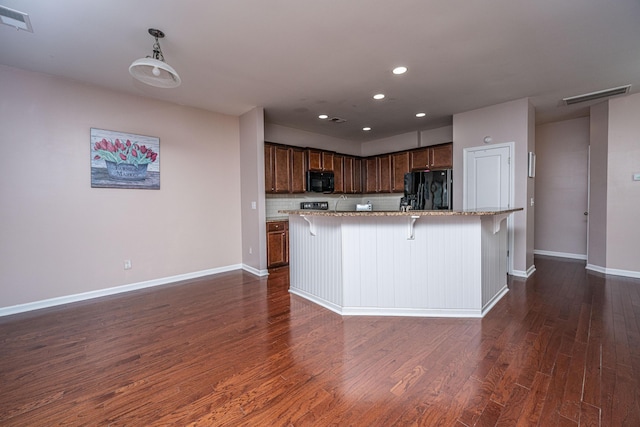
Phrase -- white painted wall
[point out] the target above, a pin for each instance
(408, 141)
(300, 138)
(508, 122)
(623, 194)
(254, 246)
(59, 236)
(562, 156)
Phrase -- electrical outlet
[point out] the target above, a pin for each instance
(250, 251)
(127, 264)
(253, 205)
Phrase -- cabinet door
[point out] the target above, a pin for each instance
(277, 251)
(277, 244)
(268, 168)
(298, 170)
(358, 186)
(384, 174)
(400, 164)
(371, 175)
(420, 159)
(338, 174)
(327, 161)
(281, 170)
(314, 160)
(442, 156)
(347, 172)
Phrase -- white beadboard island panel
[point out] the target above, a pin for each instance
(398, 265)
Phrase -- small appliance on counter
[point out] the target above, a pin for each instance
(367, 207)
(427, 190)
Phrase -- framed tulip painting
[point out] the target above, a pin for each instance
(124, 160)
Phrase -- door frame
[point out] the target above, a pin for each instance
(588, 211)
(510, 231)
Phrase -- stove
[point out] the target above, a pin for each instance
(323, 206)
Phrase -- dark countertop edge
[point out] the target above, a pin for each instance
(479, 212)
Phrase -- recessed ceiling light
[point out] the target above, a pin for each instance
(378, 96)
(421, 114)
(366, 129)
(399, 70)
(323, 116)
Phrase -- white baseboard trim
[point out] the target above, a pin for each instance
(404, 312)
(255, 271)
(614, 271)
(51, 302)
(493, 301)
(525, 274)
(560, 254)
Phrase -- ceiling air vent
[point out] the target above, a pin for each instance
(337, 120)
(597, 95)
(13, 18)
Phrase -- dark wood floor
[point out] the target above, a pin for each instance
(560, 349)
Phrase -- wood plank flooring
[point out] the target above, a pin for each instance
(560, 349)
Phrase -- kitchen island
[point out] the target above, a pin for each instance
(416, 263)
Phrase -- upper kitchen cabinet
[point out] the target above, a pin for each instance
(420, 159)
(377, 176)
(442, 156)
(298, 170)
(352, 171)
(435, 157)
(277, 167)
(400, 166)
(319, 160)
(338, 173)
(284, 169)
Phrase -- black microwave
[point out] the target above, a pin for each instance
(320, 182)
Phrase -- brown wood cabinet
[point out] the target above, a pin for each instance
(370, 174)
(277, 169)
(435, 157)
(277, 243)
(400, 166)
(284, 169)
(338, 173)
(420, 159)
(298, 170)
(352, 170)
(442, 156)
(377, 174)
(384, 174)
(319, 160)
(358, 184)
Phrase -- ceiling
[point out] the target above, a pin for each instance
(302, 58)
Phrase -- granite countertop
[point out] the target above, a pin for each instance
(469, 212)
(278, 218)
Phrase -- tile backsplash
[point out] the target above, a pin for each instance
(345, 202)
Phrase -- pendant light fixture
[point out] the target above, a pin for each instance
(152, 70)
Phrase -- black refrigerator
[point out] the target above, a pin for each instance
(427, 190)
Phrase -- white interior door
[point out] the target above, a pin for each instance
(488, 183)
(487, 177)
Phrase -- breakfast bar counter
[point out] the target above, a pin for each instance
(415, 263)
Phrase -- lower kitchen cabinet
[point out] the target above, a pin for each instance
(277, 243)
